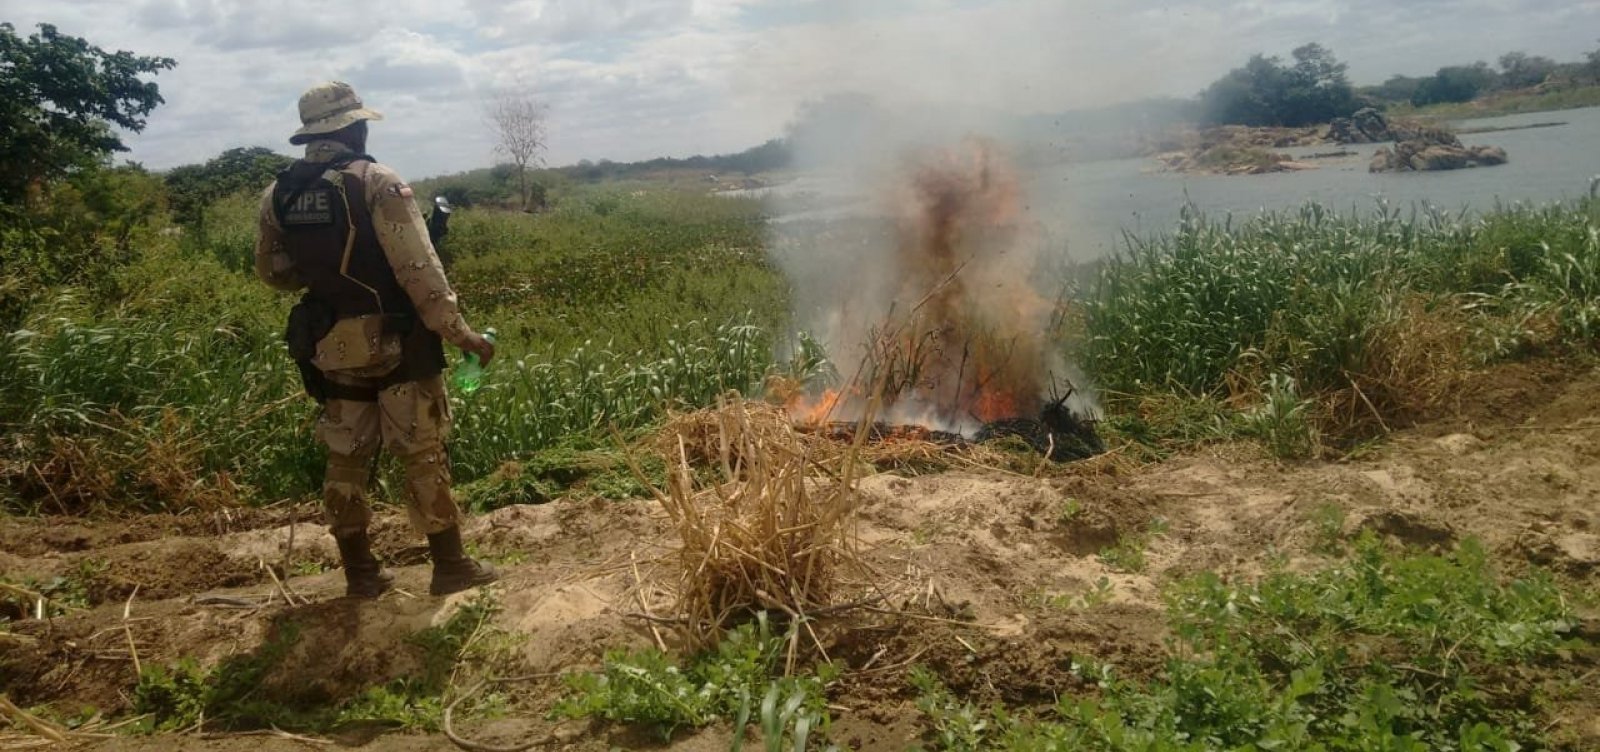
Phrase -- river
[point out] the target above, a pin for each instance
(1088, 205)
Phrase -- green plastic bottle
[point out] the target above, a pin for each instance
(469, 374)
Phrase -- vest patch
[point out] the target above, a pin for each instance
(312, 208)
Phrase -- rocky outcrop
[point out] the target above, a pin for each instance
(1416, 156)
(1435, 151)
(1228, 160)
(1366, 126)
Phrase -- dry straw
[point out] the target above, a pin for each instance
(772, 530)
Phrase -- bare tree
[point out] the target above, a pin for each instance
(518, 122)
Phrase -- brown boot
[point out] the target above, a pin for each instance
(363, 575)
(453, 570)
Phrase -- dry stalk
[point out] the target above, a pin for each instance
(127, 631)
(277, 582)
(37, 725)
(772, 532)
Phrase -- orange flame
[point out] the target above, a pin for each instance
(972, 348)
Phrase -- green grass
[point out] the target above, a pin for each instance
(1382, 651)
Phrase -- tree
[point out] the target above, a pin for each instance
(1396, 89)
(1315, 89)
(59, 98)
(193, 187)
(1244, 95)
(1455, 83)
(1519, 70)
(518, 122)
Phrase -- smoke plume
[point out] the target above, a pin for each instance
(931, 283)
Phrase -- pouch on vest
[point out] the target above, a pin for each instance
(309, 321)
(363, 347)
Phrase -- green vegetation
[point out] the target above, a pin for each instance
(648, 687)
(613, 309)
(194, 188)
(1283, 422)
(498, 186)
(156, 379)
(231, 695)
(59, 595)
(1508, 103)
(1231, 157)
(1368, 318)
(1128, 553)
(1315, 89)
(59, 98)
(1384, 650)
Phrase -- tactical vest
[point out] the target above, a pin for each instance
(322, 208)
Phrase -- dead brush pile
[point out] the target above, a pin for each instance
(774, 530)
(157, 466)
(698, 438)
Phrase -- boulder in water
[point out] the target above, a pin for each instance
(1366, 126)
(1426, 156)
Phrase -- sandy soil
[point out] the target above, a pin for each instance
(1515, 466)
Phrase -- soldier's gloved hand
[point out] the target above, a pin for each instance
(480, 346)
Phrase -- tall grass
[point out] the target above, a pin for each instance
(1369, 313)
(173, 389)
(183, 383)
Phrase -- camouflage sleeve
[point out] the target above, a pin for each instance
(273, 264)
(404, 237)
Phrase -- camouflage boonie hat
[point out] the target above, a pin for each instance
(327, 107)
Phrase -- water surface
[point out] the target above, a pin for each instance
(1087, 206)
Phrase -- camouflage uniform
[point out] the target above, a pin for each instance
(412, 419)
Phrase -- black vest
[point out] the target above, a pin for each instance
(322, 208)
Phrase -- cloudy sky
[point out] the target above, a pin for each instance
(633, 79)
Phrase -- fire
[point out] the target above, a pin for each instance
(813, 410)
(963, 343)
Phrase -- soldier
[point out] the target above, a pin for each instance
(367, 333)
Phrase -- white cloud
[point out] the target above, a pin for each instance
(629, 79)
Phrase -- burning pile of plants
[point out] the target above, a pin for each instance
(960, 350)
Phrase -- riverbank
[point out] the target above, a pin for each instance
(1518, 102)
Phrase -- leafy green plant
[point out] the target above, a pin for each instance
(648, 687)
(1327, 521)
(1128, 553)
(1382, 650)
(1282, 423)
(956, 725)
(185, 694)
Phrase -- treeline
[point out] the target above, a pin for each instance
(496, 186)
(772, 155)
(1463, 83)
(1314, 86)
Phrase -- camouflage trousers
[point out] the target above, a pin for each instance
(412, 421)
